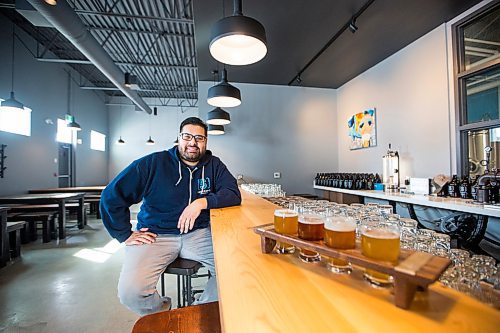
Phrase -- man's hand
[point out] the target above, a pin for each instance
(141, 237)
(190, 213)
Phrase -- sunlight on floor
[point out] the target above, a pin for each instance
(99, 254)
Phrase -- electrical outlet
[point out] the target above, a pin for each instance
(277, 175)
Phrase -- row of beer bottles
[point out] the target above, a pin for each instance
(350, 181)
(466, 188)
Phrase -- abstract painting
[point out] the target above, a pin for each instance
(362, 129)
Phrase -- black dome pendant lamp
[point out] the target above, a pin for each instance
(238, 39)
(218, 117)
(223, 94)
(215, 130)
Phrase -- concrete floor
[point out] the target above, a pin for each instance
(51, 290)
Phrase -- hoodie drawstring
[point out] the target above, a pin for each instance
(180, 174)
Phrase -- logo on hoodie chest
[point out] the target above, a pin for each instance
(203, 186)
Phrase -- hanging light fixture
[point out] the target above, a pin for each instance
(238, 39)
(51, 2)
(72, 124)
(70, 119)
(150, 142)
(120, 141)
(215, 129)
(224, 94)
(218, 117)
(12, 102)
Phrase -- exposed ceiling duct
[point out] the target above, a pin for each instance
(66, 21)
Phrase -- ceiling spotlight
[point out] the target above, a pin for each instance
(131, 81)
(215, 129)
(224, 94)
(155, 111)
(120, 142)
(238, 39)
(51, 2)
(218, 117)
(150, 141)
(352, 26)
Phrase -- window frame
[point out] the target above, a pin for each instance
(460, 76)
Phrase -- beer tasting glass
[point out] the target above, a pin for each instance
(285, 223)
(380, 242)
(340, 233)
(311, 229)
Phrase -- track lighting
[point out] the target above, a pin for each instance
(352, 26)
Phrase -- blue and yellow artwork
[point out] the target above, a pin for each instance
(362, 129)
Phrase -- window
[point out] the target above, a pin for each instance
(17, 121)
(97, 141)
(64, 134)
(477, 44)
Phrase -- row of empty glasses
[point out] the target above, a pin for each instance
(381, 234)
(264, 190)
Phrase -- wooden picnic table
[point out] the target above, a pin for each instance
(87, 189)
(50, 198)
(4, 237)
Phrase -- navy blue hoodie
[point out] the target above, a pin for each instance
(166, 186)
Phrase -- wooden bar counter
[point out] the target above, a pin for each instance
(279, 293)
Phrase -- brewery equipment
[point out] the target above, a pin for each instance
(391, 169)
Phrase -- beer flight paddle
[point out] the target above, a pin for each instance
(413, 270)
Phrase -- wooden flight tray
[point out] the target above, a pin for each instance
(415, 269)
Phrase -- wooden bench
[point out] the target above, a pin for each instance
(203, 318)
(94, 200)
(14, 231)
(29, 232)
(53, 208)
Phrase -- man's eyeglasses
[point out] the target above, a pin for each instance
(189, 137)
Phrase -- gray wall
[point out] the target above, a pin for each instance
(410, 92)
(134, 127)
(278, 129)
(43, 88)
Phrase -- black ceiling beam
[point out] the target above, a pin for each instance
(297, 78)
(162, 33)
(139, 17)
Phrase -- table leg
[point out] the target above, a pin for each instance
(4, 241)
(81, 213)
(62, 219)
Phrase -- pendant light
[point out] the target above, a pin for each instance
(238, 39)
(51, 2)
(12, 102)
(120, 141)
(218, 117)
(150, 142)
(224, 94)
(215, 129)
(70, 119)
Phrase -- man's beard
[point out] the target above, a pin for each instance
(191, 157)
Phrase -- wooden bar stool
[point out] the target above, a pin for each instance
(202, 318)
(185, 270)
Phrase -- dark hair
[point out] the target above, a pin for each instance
(194, 121)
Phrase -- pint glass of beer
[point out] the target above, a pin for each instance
(311, 227)
(380, 242)
(340, 233)
(285, 223)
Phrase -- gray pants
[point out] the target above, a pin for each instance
(143, 265)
